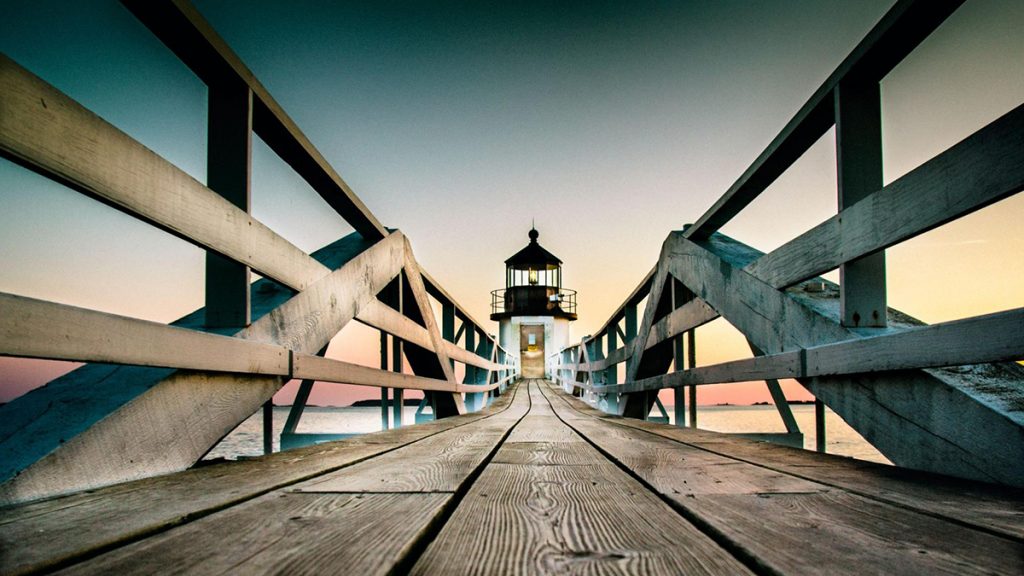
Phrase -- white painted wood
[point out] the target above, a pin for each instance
(415, 280)
(144, 437)
(45, 129)
(312, 367)
(983, 168)
(39, 329)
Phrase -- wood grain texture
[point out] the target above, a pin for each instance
(798, 526)
(142, 437)
(284, 533)
(439, 463)
(40, 535)
(983, 168)
(841, 533)
(993, 508)
(52, 133)
(183, 29)
(545, 517)
(40, 329)
(896, 34)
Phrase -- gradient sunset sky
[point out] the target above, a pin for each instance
(609, 123)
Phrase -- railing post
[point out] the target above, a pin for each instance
(858, 114)
(679, 401)
(228, 173)
(691, 352)
(383, 390)
(398, 404)
(819, 425)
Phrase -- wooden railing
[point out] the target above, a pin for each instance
(251, 338)
(872, 365)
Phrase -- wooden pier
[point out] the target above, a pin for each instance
(539, 483)
(101, 471)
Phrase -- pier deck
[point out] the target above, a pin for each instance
(537, 483)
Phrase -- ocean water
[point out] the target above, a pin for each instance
(247, 439)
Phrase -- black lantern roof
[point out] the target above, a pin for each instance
(534, 256)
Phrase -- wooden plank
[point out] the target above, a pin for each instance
(440, 463)
(989, 507)
(546, 429)
(183, 29)
(984, 168)
(294, 533)
(693, 314)
(528, 519)
(980, 339)
(45, 130)
(42, 535)
(637, 341)
(551, 518)
(541, 454)
(936, 436)
(141, 436)
(807, 518)
(311, 367)
(39, 329)
(905, 26)
(229, 174)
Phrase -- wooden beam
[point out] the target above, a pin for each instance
(858, 109)
(32, 328)
(984, 168)
(116, 442)
(312, 367)
(382, 317)
(905, 26)
(977, 340)
(183, 29)
(50, 133)
(228, 173)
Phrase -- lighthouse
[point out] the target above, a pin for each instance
(533, 310)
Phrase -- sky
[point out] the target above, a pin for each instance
(609, 124)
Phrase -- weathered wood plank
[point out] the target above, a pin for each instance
(936, 435)
(440, 463)
(977, 340)
(40, 329)
(383, 317)
(896, 35)
(549, 518)
(45, 534)
(541, 454)
(133, 439)
(819, 528)
(547, 429)
(311, 367)
(981, 169)
(53, 134)
(997, 509)
(183, 29)
(293, 533)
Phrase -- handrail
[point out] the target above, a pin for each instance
(958, 371)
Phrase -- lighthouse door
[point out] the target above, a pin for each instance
(531, 350)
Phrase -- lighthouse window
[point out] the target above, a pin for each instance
(532, 340)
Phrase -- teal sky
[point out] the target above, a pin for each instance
(610, 123)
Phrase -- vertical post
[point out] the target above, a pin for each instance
(691, 352)
(471, 371)
(228, 173)
(268, 426)
(384, 420)
(819, 425)
(396, 362)
(858, 113)
(679, 407)
(611, 372)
